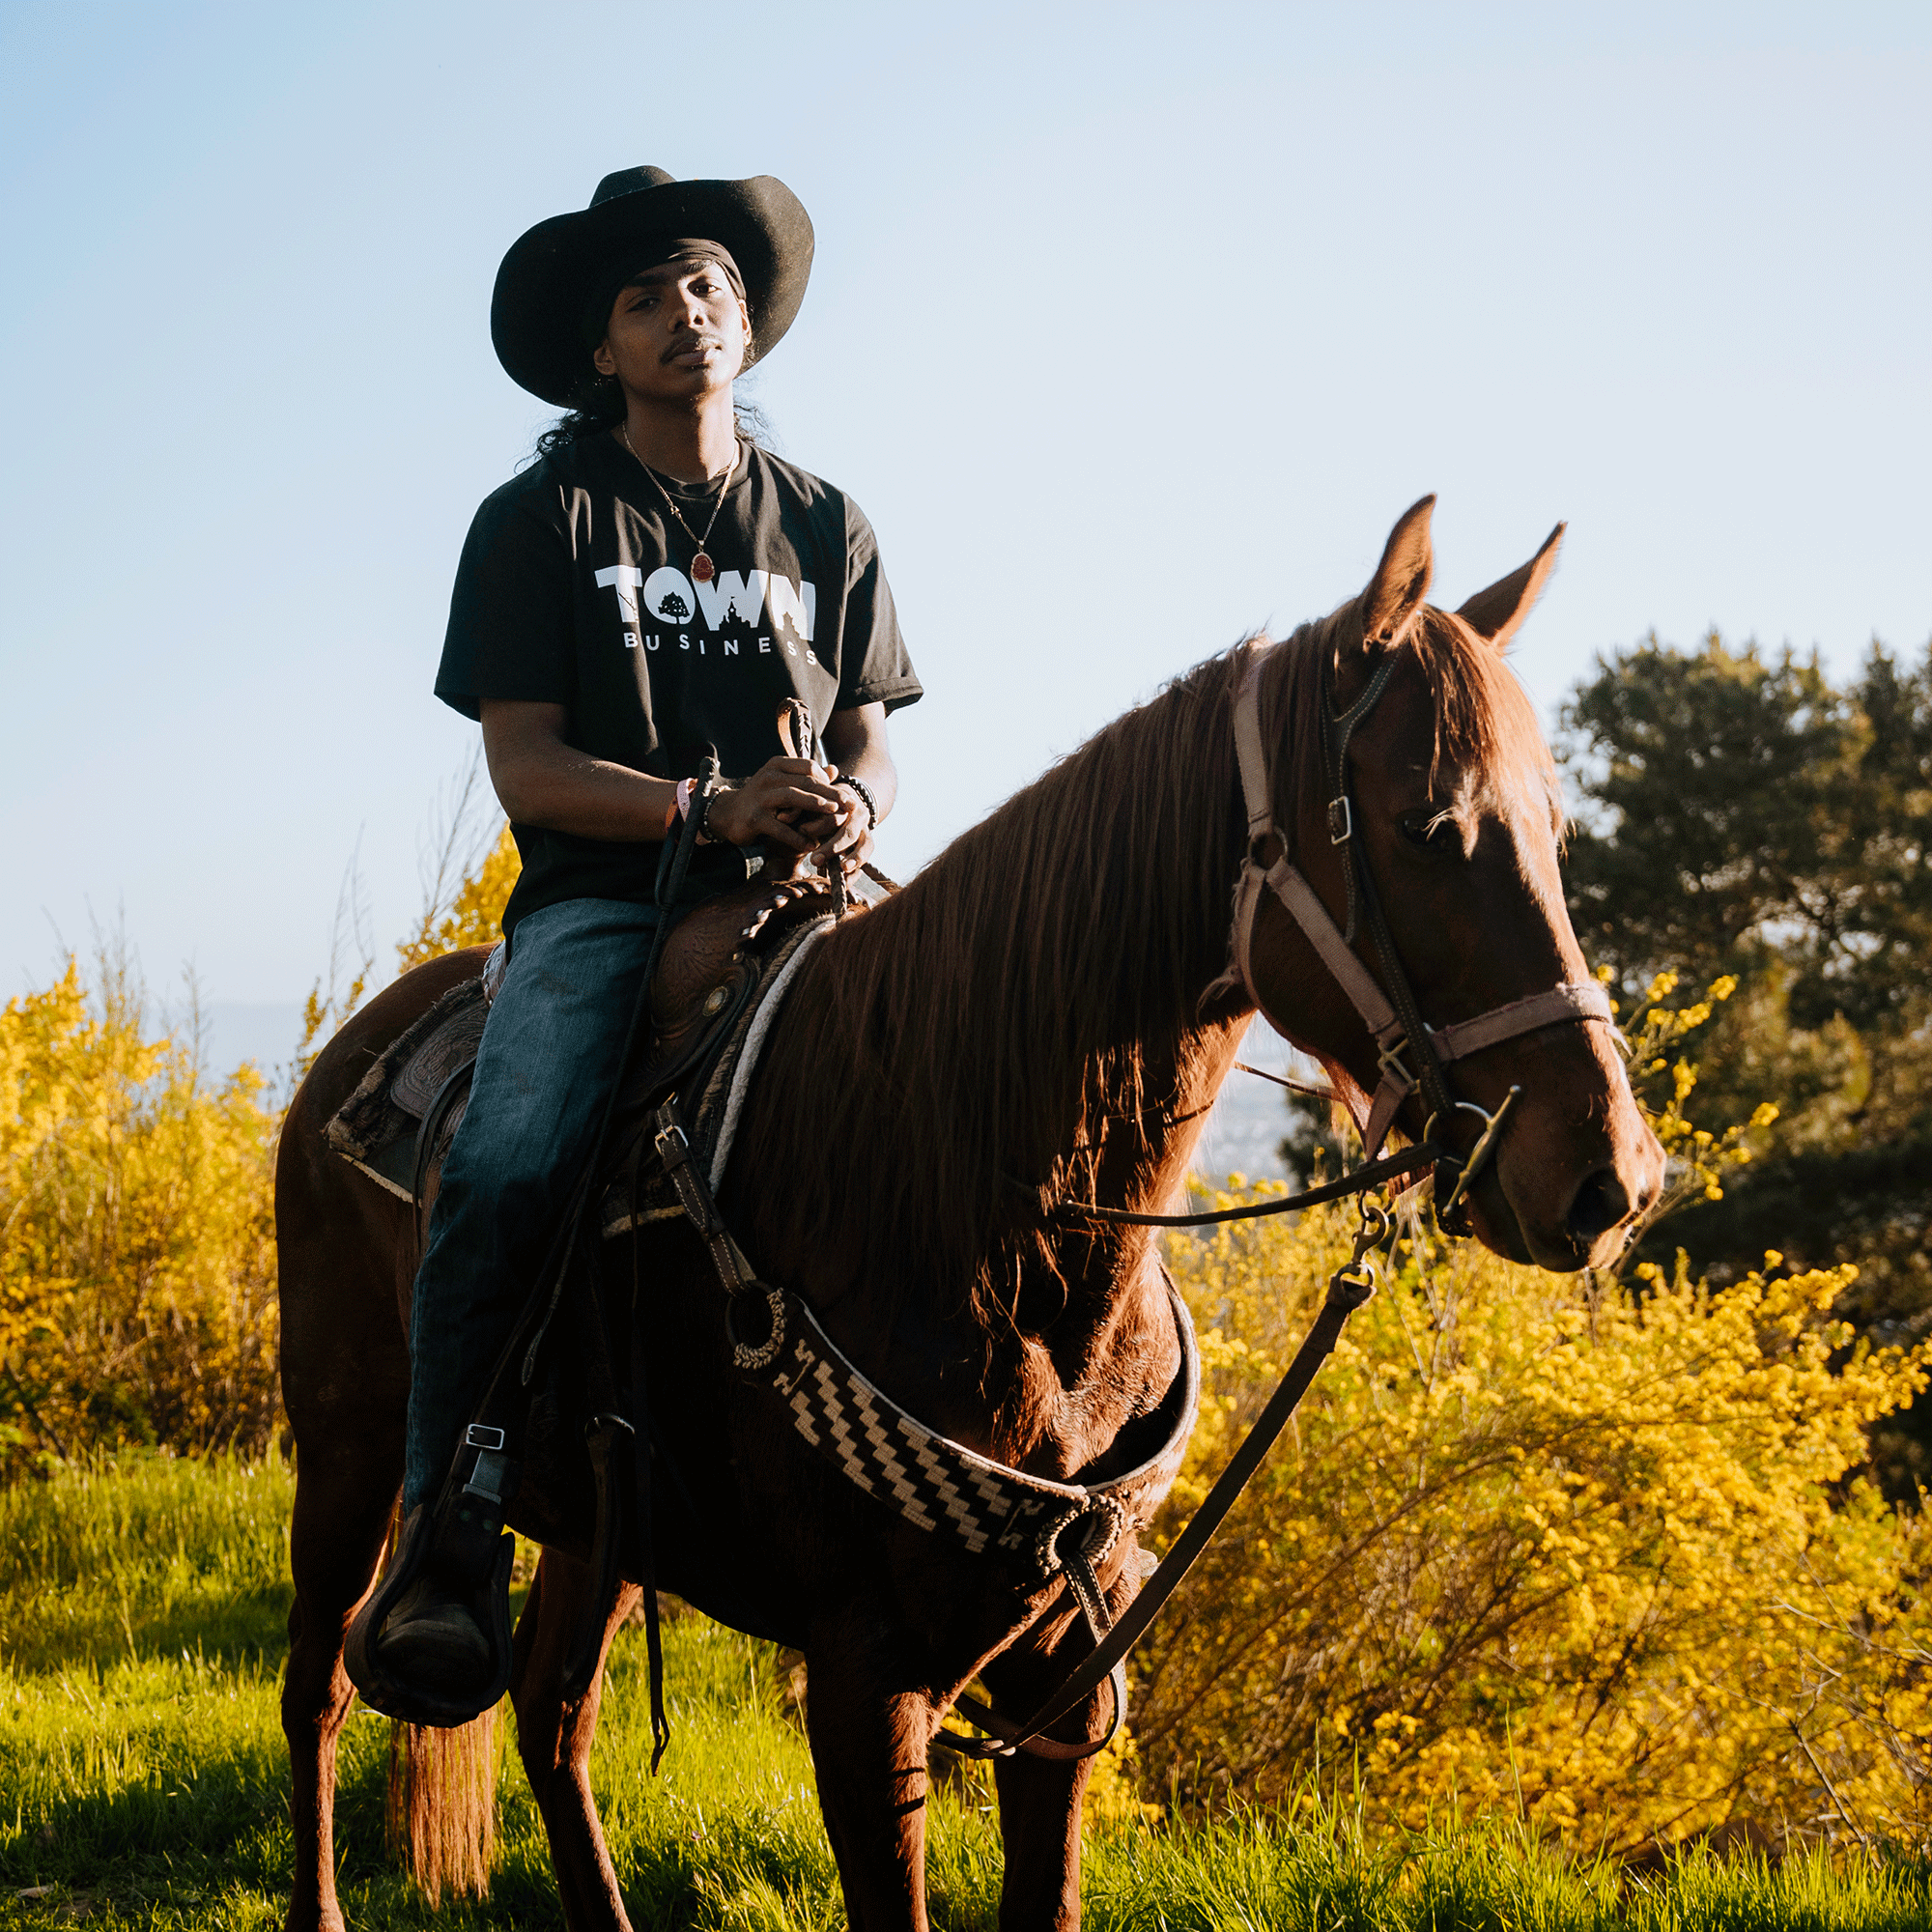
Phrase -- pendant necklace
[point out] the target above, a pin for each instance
(702, 569)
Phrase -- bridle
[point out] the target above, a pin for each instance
(1411, 1053)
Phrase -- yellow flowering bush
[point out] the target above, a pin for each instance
(1589, 1547)
(1655, 1043)
(1593, 1545)
(137, 1257)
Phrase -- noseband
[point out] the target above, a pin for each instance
(1410, 1052)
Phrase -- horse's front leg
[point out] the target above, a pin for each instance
(869, 1734)
(554, 1736)
(1040, 1798)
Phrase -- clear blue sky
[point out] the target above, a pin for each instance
(1131, 329)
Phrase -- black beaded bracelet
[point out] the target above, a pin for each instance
(701, 798)
(866, 798)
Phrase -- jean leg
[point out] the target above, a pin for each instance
(544, 1071)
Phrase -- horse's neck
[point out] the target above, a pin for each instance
(1121, 1117)
(1030, 1010)
(1140, 1158)
(1093, 1341)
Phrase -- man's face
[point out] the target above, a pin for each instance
(677, 332)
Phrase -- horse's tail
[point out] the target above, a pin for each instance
(442, 1804)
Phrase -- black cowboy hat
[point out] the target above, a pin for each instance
(551, 274)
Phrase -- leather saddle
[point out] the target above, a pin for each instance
(720, 958)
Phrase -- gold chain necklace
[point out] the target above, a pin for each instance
(702, 569)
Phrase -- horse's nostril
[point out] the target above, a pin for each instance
(1601, 1203)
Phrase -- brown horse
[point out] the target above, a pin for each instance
(1044, 1013)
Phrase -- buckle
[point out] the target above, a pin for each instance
(480, 1436)
(1390, 1061)
(672, 1146)
(1341, 820)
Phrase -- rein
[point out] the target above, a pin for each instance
(932, 1480)
(1395, 1021)
(1390, 1167)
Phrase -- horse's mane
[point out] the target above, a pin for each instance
(946, 1060)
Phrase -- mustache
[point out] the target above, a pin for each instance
(684, 345)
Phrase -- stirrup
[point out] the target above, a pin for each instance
(461, 1537)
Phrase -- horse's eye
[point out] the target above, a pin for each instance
(1433, 830)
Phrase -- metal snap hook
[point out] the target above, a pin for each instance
(1354, 1282)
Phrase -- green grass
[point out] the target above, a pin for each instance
(143, 1778)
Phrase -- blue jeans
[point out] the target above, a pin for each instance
(544, 1071)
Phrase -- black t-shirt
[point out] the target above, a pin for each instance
(574, 589)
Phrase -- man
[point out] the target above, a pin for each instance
(649, 592)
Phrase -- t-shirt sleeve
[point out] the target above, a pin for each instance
(873, 666)
(510, 632)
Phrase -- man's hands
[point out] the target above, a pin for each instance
(850, 840)
(798, 806)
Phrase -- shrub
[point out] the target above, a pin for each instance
(1591, 1546)
(137, 1251)
(137, 1254)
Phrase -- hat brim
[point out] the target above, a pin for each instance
(536, 312)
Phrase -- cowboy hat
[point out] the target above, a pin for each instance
(551, 274)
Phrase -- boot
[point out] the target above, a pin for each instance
(431, 1644)
(435, 1639)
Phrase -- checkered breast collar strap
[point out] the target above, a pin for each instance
(934, 1482)
(1573, 1000)
(939, 1485)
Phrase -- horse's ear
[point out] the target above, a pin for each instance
(1497, 612)
(1395, 591)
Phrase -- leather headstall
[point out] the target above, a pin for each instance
(1411, 1053)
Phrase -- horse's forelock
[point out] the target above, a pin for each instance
(1486, 724)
